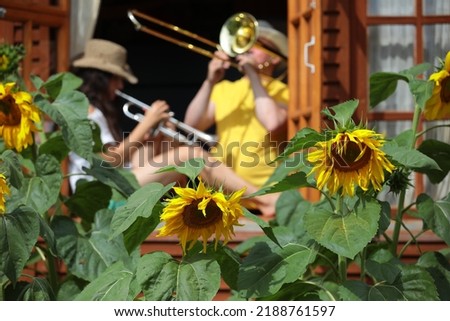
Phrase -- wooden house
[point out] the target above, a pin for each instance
(334, 45)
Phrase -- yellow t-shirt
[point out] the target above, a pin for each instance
(244, 144)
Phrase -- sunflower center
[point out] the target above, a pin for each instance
(193, 217)
(347, 155)
(445, 90)
(9, 112)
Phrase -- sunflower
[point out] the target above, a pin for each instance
(349, 159)
(18, 116)
(201, 213)
(4, 62)
(10, 57)
(438, 106)
(4, 190)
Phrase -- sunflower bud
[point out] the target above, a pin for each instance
(398, 181)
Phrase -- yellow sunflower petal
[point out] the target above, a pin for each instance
(350, 160)
(200, 213)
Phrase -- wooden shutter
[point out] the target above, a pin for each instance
(44, 28)
(319, 62)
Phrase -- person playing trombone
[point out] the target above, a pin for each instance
(103, 70)
(250, 114)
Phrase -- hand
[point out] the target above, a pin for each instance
(247, 63)
(158, 112)
(217, 67)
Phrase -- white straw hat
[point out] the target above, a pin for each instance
(267, 31)
(107, 56)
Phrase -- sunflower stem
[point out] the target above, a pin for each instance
(363, 255)
(415, 125)
(401, 199)
(342, 268)
(431, 128)
(329, 200)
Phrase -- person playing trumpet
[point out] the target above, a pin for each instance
(103, 69)
(250, 114)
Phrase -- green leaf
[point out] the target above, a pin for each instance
(382, 85)
(436, 215)
(385, 217)
(195, 278)
(404, 139)
(198, 278)
(38, 290)
(11, 167)
(265, 226)
(343, 112)
(191, 168)
(140, 204)
(416, 70)
(82, 204)
(229, 262)
(20, 230)
(439, 268)
(47, 234)
(264, 271)
(304, 138)
(69, 111)
(383, 266)
(288, 166)
(439, 152)
(417, 284)
(42, 191)
(414, 284)
(70, 287)
(55, 146)
(291, 209)
(422, 91)
(359, 291)
(114, 284)
(290, 182)
(111, 176)
(410, 158)
(142, 227)
(61, 83)
(344, 235)
(353, 290)
(157, 275)
(297, 291)
(88, 256)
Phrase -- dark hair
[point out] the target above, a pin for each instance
(95, 87)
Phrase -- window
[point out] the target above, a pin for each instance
(401, 34)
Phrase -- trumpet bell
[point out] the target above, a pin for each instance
(238, 34)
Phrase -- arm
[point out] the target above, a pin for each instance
(270, 113)
(200, 112)
(120, 154)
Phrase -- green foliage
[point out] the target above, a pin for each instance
(305, 253)
(10, 58)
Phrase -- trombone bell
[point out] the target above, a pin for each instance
(238, 34)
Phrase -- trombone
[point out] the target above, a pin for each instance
(191, 137)
(237, 35)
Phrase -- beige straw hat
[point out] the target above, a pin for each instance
(107, 56)
(267, 31)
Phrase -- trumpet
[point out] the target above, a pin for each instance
(237, 35)
(186, 134)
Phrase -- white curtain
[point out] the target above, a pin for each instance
(83, 18)
(391, 48)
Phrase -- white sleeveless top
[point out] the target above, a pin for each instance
(76, 163)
